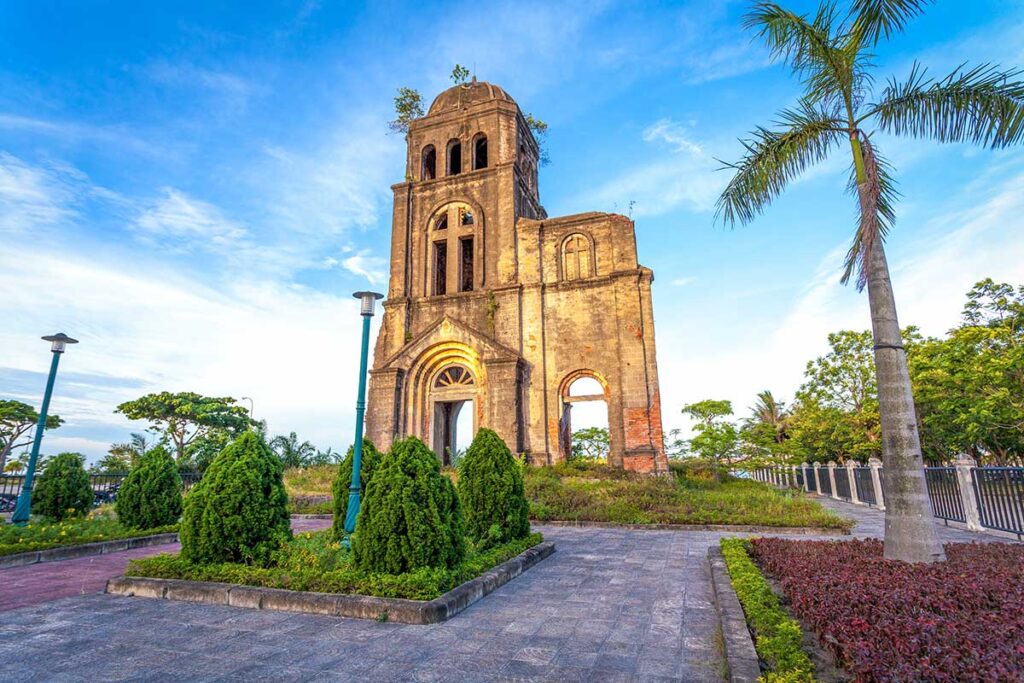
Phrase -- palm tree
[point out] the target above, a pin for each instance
(984, 105)
(291, 452)
(772, 414)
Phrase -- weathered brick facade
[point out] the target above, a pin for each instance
(483, 281)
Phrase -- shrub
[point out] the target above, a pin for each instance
(343, 480)
(411, 517)
(151, 494)
(491, 492)
(63, 489)
(885, 620)
(238, 512)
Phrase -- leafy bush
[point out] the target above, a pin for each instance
(44, 535)
(151, 493)
(777, 636)
(311, 562)
(63, 490)
(238, 512)
(491, 491)
(343, 480)
(411, 517)
(884, 620)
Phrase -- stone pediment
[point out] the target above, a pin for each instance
(449, 329)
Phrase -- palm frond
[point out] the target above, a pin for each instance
(871, 20)
(876, 203)
(774, 158)
(983, 105)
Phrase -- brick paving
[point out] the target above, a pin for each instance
(609, 605)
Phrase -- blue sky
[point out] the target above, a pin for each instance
(193, 189)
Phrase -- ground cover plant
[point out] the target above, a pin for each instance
(44, 534)
(599, 493)
(777, 636)
(314, 561)
(887, 621)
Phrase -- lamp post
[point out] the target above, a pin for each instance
(23, 508)
(368, 300)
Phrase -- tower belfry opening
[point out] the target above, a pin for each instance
(495, 309)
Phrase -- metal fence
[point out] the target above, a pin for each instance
(865, 485)
(812, 483)
(1000, 492)
(842, 483)
(944, 493)
(104, 487)
(826, 483)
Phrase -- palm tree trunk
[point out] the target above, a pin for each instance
(910, 533)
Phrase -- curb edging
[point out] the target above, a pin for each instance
(740, 655)
(70, 552)
(738, 528)
(332, 604)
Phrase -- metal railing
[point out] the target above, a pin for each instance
(104, 487)
(826, 483)
(944, 493)
(865, 485)
(1000, 494)
(812, 484)
(842, 483)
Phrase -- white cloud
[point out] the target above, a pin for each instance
(674, 134)
(182, 222)
(373, 268)
(33, 197)
(683, 281)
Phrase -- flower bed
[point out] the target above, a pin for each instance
(314, 562)
(45, 535)
(960, 620)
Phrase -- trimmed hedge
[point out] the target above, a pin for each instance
(411, 517)
(777, 636)
(238, 512)
(63, 489)
(151, 493)
(339, 488)
(491, 491)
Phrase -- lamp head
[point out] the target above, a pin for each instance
(368, 300)
(59, 341)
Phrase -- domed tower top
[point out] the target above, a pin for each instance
(466, 94)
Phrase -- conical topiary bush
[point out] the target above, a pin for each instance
(411, 516)
(491, 491)
(63, 489)
(238, 512)
(151, 494)
(342, 482)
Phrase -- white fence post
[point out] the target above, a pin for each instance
(803, 471)
(851, 475)
(832, 477)
(963, 465)
(817, 478)
(796, 481)
(876, 480)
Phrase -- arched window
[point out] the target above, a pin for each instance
(480, 151)
(577, 258)
(441, 222)
(454, 376)
(454, 157)
(453, 241)
(428, 169)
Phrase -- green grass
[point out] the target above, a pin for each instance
(579, 491)
(42, 535)
(310, 481)
(314, 561)
(777, 636)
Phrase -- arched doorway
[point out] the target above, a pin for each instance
(453, 395)
(584, 398)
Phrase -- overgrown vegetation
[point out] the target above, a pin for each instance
(151, 493)
(599, 493)
(777, 636)
(315, 562)
(491, 491)
(370, 460)
(42, 535)
(238, 512)
(63, 490)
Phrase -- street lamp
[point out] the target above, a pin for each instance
(368, 300)
(246, 398)
(23, 508)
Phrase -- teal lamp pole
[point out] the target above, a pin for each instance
(368, 300)
(23, 508)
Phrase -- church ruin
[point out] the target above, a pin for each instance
(497, 309)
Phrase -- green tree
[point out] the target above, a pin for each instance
(411, 517)
(491, 492)
(63, 489)
(591, 443)
(187, 417)
(540, 134)
(151, 493)
(832, 54)
(292, 452)
(717, 439)
(766, 432)
(238, 512)
(460, 74)
(17, 424)
(369, 462)
(408, 108)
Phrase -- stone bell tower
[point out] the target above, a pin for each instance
(496, 308)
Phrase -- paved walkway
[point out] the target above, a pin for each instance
(609, 605)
